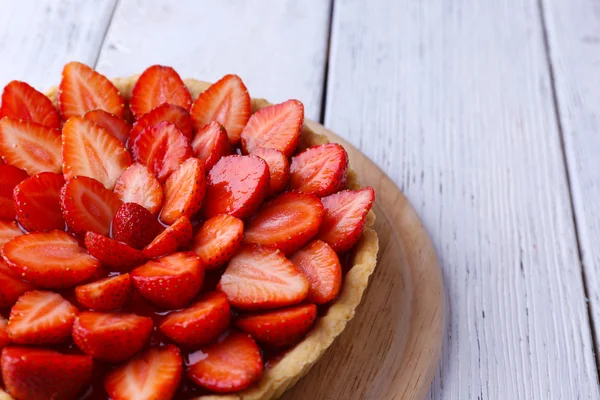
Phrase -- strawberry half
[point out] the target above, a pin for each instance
(8, 231)
(279, 168)
(10, 177)
(320, 170)
(218, 239)
(176, 237)
(37, 200)
(21, 101)
(262, 278)
(112, 254)
(134, 225)
(11, 287)
(105, 294)
(184, 191)
(210, 144)
(165, 112)
(227, 102)
(117, 127)
(4, 339)
(138, 185)
(275, 127)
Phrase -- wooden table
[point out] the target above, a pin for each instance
(485, 113)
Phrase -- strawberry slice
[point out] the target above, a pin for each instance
(275, 127)
(105, 294)
(8, 231)
(40, 374)
(11, 287)
(82, 89)
(134, 225)
(227, 366)
(165, 112)
(321, 265)
(30, 146)
(210, 144)
(287, 222)
(90, 150)
(184, 191)
(157, 85)
(262, 278)
(112, 254)
(154, 374)
(40, 317)
(49, 259)
(4, 339)
(200, 323)
(218, 240)
(279, 168)
(10, 177)
(227, 102)
(21, 101)
(138, 185)
(176, 237)
(117, 127)
(237, 186)
(38, 202)
(112, 337)
(320, 170)
(88, 206)
(171, 281)
(345, 217)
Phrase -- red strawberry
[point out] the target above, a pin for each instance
(237, 186)
(320, 170)
(40, 317)
(227, 366)
(10, 177)
(275, 127)
(88, 206)
(29, 146)
(112, 337)
(158, 85)
(200, 323)
(165, 112)
(184, 191)
(106, 294)
(138, 185)
(210, 144)
(279, 168)
(82, 89)
(134, 225)
(154, 374)
(227, 102)
(8, 231)
(11, 287)
(287, 222)
(21, 101)
(117, 127)
(38, 202)
(262, 278)
(50, 259)
(4, 339)
(176, 237)
(345, 217)
(218, 239)
(112, 254)
(41, 374)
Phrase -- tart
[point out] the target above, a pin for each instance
(168, 238)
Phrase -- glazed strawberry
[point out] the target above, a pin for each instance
(49, 259)
(170, 282)
(154, 374)
(40, 317)
(279, 328)
(88, 206)
(227, 366)
(90, 150)
(21, 101)
(345, 217)
(200, 323)
(287, 222)
(262, 278)
(237, 186)
(10, 177)
(134, 225)
(37, 200)
(41, 374)
(165, 112)
(218, 240)
(33, 148)
(112, 337)
(176, 237)
(4, 339)
(210, 144)
(321, 266)
(138, 185)
(114, 255)
(275, 127)
(82, 89)
(279, 168)
(8, 231)
(320, 170)
(117, 127)
(157, 85)
(105, 294)
(227, 102)
(11, 287)
(184, 191)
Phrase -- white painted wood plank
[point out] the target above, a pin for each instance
(277, 47)
(454, 101)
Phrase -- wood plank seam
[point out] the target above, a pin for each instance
(112, 17)
(326, 67)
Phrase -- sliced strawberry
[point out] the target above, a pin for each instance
(154, 374)
(106, 294)
(218, 239)
(29, 146)
(114, 255)
(262, 278)
(184, 191)
(11, 287)
(279, 168)
(176, 237)
(8, 231)
(82, 89)
(38, 202)
(4, 339)
(227, 102)
(41, 374)
(287, 222)
(275, 127)
(117, 127)
(157, 85)
(345, 217)
(21, 101)
(227, 366)
(138, 185)
(10, 177)
(210, 144)
(40, 317)
(165, 112)
(49, 259)
(320, 170)
(134, 225)
(88, 206)
(162, 148)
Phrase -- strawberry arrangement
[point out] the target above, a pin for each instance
(162, 248)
